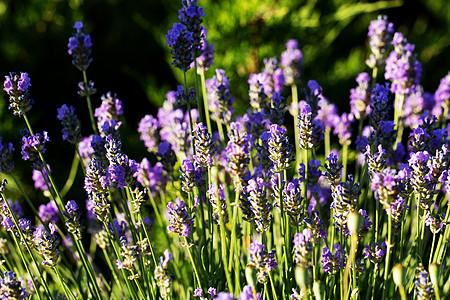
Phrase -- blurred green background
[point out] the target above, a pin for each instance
(132, 60)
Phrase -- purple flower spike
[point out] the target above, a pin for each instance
(333, 262)
(179, 219)
(6, 157)
(80, 47)
(291, 60)
(17, 88)
(11, 287)
(247, 294)
(261, 260)
(181, 40)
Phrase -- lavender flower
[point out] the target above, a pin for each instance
(292, 201)
(442, 97)
(311, 130)
(220, 101)
(365, 224)
(421, 182)
(122, 169)
(416, 104)
(385, 186)
(161, 274)
(166, 157)
(149, 132)
(185, 97)
(303, 248)
(333, 262)
(48, 244)
(6, 157)
(280, 149)
(314, 224)
(84, 90)
(188, 175)
(380, 105)
(224, 296)
(398, 209)
(333, 169)
(73, 214)
(110, 109)
(247, 294)
(181, 41)
(237, 152)
(32, 145)
(180, 220)
(212, 291)
(380, 33)
(260, 206)
(71, 131)
(205, 60)
(218, 202)
(291, 60)
(151, 177)
(277, 109)
(198, 292)
(402, 67)
(424, 288)
(435, 223)
(49, 212)
(204, 146)
(261, 260)
(360, 97)
(190, 15)
(96, 184)
(257, 92)
(18, 89)
(345, 198)
(11, 288)
(80, 47)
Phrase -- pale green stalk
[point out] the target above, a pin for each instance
(205, 102)
(294, 110)
(388, 254)
(199, 101)
(89, 105)
(194, 265)
(223, 244)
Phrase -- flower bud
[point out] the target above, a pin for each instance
(399, 274)
(434, 273)
(354, 222)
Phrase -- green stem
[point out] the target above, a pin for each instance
(72, 174)
(388, 254)
(88, 101)
(194, 265)
(294, 111)
(67, 290)
(199, 101)
(223, 244)
(205, 102)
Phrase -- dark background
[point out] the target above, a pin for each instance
(132, 60)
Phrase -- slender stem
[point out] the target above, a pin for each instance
(431, 251)
(194, 265)
(72, 174)
(274, 293)
(294, 111)
(205, 102)
(223, 244)
(67, 290)
(199, 101)
(402, 292)
(88, 101)
(388, 254)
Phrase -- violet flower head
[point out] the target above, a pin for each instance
(280, 150)
(205, 59)
(345, 198)
(49, 212)
(204, 145)
(166, 156)
(149, 132)
(151, 177)
(424, 288)
(218, 203)
(73, 214)
(212, 291)
(6, 157)
(11, 288)
(80, 47)
(32, 145)
(220, 101)
(180, 220)
(161, 274)
(303, 248)
(237, 152)
(435, 223)
(375, 252)
(181, 40)
(18, 89)
(261, 260)
(292, 201)
(380, 105)
(402, 67)
(442, 97)
(96, 184)
(190, 15)
(277, 109)
(48, 244)
(257, 91)
(71, 131)
(380, 34)
(110, 109)
(291, 60)
(327, 113)
(190, 175)
(342, 128)
(247, 294)
(86, 90)
(333, 168)
(198, 293)
(39, 180)
(224, 296)
(259, 204)
(332, 263)
(360, 97)
(185, 97)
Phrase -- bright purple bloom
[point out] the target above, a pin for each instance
(149, 132)
(80, 47)
(247, 294)
(49, 212)
(198, 292)
(360, 96)
(205, 147)
(442, 96)
(292, 201)
(17, 89)
(205, 60)
(179, 219)
(218, 202)
(181, 41)
(280, 150)
(220, 101)
(291, 60)
(212, 291)
(110, 109)
(224, 296)
(237, 151)
(261, 260)
(258, 91)
(48, 244)
(190, 15)
(151, 177)
(303, 247)
(32, 145)
(71, 131)
(380, 34)
(11, 288)
(259, 205)
(39, 181)
(333, 262)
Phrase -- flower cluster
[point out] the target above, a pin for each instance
(11, 288)
(179, 219)
(261, 260)
(18, 89)
(80, 47)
